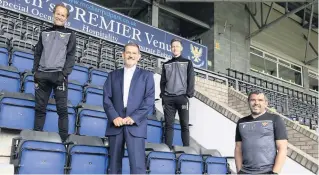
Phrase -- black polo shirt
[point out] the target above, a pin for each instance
(258, 136)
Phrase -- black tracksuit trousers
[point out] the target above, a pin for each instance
(44, 82)
(171, 104)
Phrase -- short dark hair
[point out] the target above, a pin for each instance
(62, 5)
(132, 44)
(257, 92)
(176, 39)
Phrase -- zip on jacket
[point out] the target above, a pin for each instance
(55, 51)
(177, 77)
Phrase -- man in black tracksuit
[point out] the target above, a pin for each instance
(54, 58)
(177, 86)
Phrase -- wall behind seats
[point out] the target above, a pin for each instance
(212, 89)
(166, 21)
(232, 49)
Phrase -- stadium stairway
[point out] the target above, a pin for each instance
(232, 105)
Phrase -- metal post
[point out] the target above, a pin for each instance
(287, 105)
(236, 85)
(132, 6)
(310, 44)
(270, 8)
(304, 16)
(155, 13)
(252, 16)
(279, 19)
(261, 13)
(309, 31)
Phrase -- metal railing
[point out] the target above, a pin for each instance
(307, 98)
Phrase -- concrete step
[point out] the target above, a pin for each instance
(5, 146)
(6, 169)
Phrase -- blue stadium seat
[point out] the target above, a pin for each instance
(98, 77)
(93, 95)
(177, 139)
(22, 59)
(125, 163)
(75, 92)
(80, 73)
(28, 83)
(52, 118)
(87, 155)
(4, 54)
(16, 110)
(4, 58)
(35, 152)
(9, 79)
(154, 130)
(215, 163)
(188, 161)
(160, 160)
(91, 121)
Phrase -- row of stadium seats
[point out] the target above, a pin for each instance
(19, 54)
(297, 106)
(89, 50)
(84, 85)
(43, 153)
(86, 151)
(17, 112)
(303, 97)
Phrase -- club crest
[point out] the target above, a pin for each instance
(196, 52)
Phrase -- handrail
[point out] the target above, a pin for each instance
(303, 94)
(221, 76)
(209, 74)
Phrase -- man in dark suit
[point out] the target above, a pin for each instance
(128, 97)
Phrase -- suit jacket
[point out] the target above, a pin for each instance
(140, 101)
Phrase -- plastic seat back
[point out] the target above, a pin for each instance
(154, 130)
(9, 79)
(98, 77)
(52, 118)
(125, 163)
(37, 152)
(16, 111)
(92, 121)
(4, 56)
(75, 92)
(22, 59)
(190, 164)
(87, 155)
(28, 83)
(216, 165)
(177, 139)
(80, 73)
(161, 163)
(94, 96)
